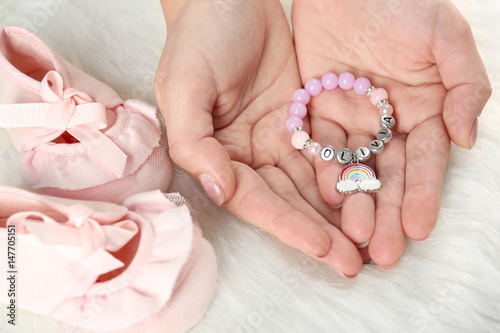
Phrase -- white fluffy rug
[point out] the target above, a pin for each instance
(447, 283)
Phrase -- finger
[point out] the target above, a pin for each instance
(365, 255)
(186, 95)
(281, 183)
(427, 154)
(326, 132)
(388, 241)
(255, 202)
(327, 171)
(303, 176)
(358, 210)
(357, 218)
(463, 74)
(343, 255)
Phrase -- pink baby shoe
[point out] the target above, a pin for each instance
(77, 138)
(101, 267)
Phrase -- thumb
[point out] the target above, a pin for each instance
(463, 75)
(186, 98)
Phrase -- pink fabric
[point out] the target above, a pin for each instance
(64, 110)
(65, 245)
(190, 298)
(121, 187)
(111, 147)
(60, 110)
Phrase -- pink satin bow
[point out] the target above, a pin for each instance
(81, 239)
(65, 110)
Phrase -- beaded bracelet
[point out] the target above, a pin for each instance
(355, 177)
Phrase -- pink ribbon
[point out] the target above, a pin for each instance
(81, 239)
(65, 110)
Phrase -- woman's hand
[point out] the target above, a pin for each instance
(224, 86)
(424, 55)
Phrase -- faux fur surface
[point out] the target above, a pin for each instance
(447, 283)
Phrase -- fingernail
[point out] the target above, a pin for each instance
(363, 245)
(388, 267)
(473, 134)
(340, 272)
(212, 188)
(344, 275)
(336, 206)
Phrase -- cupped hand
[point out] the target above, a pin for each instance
(223, 84)
(424, 55)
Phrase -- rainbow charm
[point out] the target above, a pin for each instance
(357, 177)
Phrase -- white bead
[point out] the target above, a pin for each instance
(314, 149)
(386, 110)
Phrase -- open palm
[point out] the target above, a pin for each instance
(423, 54)
(224, 84)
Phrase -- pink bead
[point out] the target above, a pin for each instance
(386, 110)
(313, 87)
(314, 149)
(330, 81)
(361, 84)
(293, 122)
(298, 109)
(377, 95)
(346, 80)
(301, 95)
(299, 138)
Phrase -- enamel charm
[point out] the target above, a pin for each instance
(357, 177)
